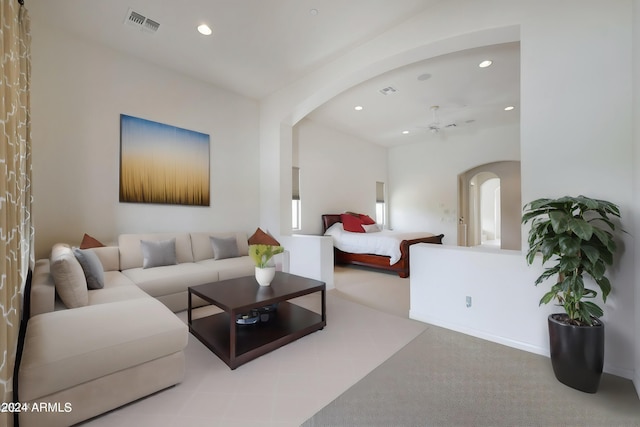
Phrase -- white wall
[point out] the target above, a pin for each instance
(338, 173)
(423, 178)
(79, 91)
(504, 301)
(487, 277)
(576, 134)
(309, 250)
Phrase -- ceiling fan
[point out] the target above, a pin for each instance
(435, 126)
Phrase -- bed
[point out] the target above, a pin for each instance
(390, 250)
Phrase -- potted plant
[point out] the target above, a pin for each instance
(262, 255)
(575, 237)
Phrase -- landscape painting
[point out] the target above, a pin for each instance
(162, 164)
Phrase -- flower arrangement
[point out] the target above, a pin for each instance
(262, 254)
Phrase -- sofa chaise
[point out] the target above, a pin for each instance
(88, 351)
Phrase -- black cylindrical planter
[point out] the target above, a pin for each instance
(577, 353)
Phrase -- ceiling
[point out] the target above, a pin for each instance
(260, 46)
(468, 98)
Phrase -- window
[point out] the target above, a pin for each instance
(295, 198)
(380, 204)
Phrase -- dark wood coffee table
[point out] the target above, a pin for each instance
(238, 344)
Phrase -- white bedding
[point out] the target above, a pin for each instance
(385, 242)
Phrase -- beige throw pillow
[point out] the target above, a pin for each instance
(70, 282)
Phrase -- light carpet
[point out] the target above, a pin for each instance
(282, 388)
(444, 378)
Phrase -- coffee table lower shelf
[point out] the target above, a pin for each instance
(290, 323)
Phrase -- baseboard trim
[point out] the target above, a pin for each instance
(479, 334)
(624, 373)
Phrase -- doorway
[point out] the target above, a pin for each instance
(489, 206)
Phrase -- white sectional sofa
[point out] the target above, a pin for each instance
(93, 350)
(197, 264)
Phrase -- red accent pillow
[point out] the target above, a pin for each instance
(351, 223)
(90, 242)
(262, 238)
(366, 219)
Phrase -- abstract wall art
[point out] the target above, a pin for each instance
(162, 164)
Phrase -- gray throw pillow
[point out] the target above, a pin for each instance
(158, 253)
(226, 247)
(92, 267)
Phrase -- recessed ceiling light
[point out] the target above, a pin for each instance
(405, 132)
(204, 29)
(358, 108)
(313, 12)
(509, 108)
(485, 63)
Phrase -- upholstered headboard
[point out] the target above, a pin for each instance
(328, 220)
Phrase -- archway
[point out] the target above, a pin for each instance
(489, 206)
(482, 220)
(282, 110)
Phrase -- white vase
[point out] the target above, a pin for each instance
(265, 275)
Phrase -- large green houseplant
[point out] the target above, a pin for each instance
(575, 234)
(575, 237)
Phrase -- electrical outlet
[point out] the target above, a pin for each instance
(468, 301)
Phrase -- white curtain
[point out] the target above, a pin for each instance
(16, 230)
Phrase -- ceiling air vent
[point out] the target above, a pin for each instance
(388, 90)
(140, 21)
(150, 25)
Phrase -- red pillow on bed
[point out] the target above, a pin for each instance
(352, 223)
(366, 219)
